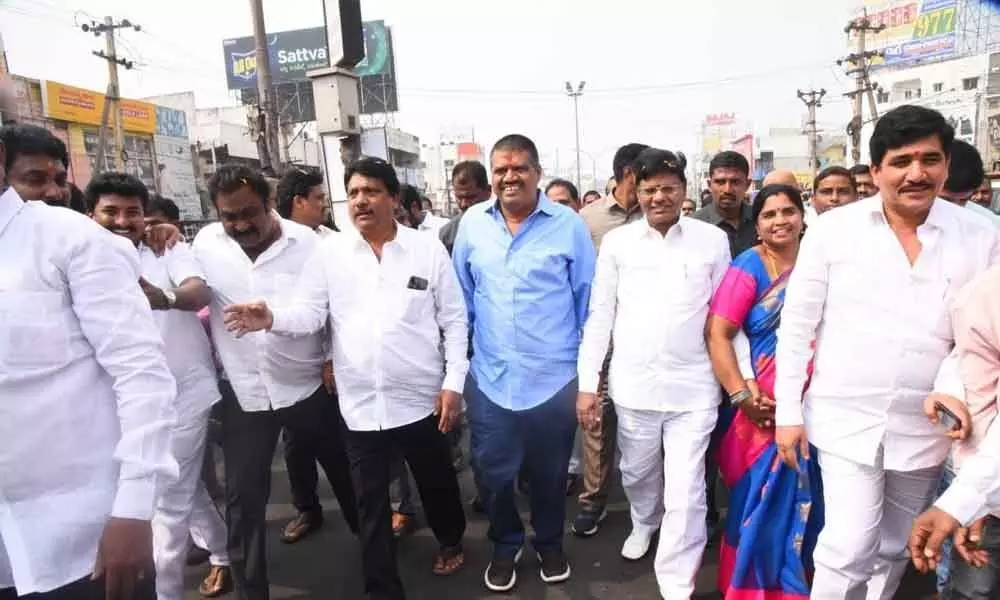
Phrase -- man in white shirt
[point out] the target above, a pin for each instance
(86, 407)
(176, 291)
(389, 292)
(965, 176)
(302, 198)
(654, 281)
(253, 253)
(870, 293)
(411, 202)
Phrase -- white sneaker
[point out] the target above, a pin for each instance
(637, 544)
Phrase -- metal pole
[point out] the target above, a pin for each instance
(116, 107)
(576, 119)
(265, 89)
(575, 95)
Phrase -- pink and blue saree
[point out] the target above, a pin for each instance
(775, 513)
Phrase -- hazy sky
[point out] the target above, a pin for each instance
(654, 68)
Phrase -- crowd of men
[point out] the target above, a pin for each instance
(567, 333)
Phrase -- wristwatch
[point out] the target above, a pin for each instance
(170, 297)
(740, 397)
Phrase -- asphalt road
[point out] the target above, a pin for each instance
(327, 566)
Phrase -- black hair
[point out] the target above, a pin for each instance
(573, 192)
(653, 161)
(775, 189)
(119, 184)
(905, 125)
(832, 171)
(591, 193)
(624, 157)
(164, 206)
(409, 196)
(76, 199)
(474, 170)
(297, 182)
(21, 139)
(375, 168)
(729, 159)
(860, 169)
(516, 142)
(966, 172)
(229, 178)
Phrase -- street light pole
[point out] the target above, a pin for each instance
(575, 95)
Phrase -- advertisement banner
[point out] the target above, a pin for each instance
(77, 105)
(177, 178)
(915, 30)
(171, 122)
(294, 53)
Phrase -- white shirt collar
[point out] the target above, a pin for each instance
(876, 209)
(402, 239)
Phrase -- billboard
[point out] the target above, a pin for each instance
(915, 30)
(77, 105)
(294, 53)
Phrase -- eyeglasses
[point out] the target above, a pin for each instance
(666, 190)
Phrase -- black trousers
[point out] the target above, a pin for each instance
(249, 440)
(428, 454)
(84, 589)
(303, 476)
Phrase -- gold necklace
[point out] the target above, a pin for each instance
(772, 266)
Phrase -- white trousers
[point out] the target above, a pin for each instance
(174, 514)
(861, 552)
(663, 473)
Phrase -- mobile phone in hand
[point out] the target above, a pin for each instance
(947, 418)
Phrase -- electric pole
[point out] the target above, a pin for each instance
(575, 95)
(812, 100)
(112, 99)
(270, 150)
(860, 63)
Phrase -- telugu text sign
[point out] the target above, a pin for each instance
(77, 105)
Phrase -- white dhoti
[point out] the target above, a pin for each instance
(861, 552)
(663, 473)
(176, 515)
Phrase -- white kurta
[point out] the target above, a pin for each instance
(882, 330)
(189, 356)
(86, 398)
(651, 293)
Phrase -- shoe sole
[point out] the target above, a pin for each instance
(550, 579)
(593, 530)
(513, 578)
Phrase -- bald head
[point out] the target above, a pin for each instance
(782, 177)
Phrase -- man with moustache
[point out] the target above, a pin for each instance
(252, 253)
(525, 265)
(654, 281)
(470, 184)
(36, 163)
(176, 291)
(878, 332)
(597, 443)
(399, 391)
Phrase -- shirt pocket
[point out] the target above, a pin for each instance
(414, 305)
(35, 333)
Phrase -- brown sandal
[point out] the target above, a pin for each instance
(449, 560)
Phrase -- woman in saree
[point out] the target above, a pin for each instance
(775, 513)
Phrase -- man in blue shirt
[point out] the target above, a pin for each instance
(525, 265)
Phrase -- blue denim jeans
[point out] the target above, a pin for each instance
(537, 442)
(944, 567)
(966, 582)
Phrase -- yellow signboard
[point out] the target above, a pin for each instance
(77, 105)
